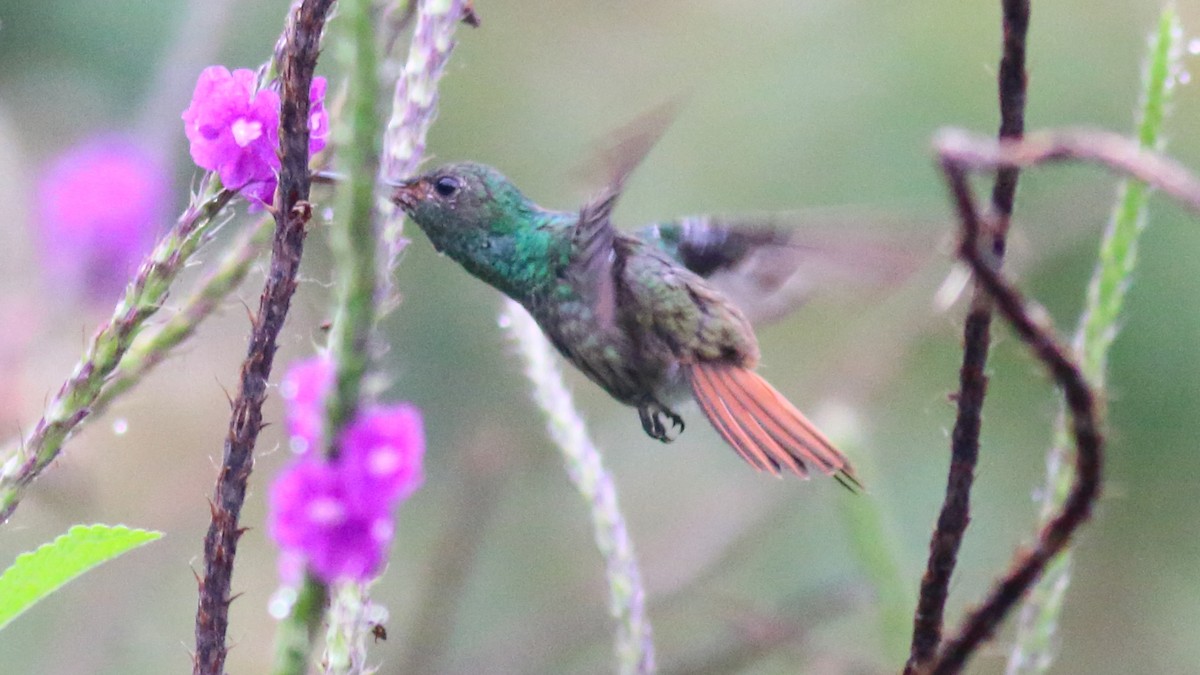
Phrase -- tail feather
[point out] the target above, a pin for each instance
(784, 418)
(738, 429)
(763, 426)
(771, 433)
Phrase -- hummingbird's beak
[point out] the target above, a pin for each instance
(407, 194)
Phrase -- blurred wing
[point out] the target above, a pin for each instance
(768, 271)
(592, 254)
(592, 257)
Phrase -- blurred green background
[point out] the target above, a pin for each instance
(791, 105)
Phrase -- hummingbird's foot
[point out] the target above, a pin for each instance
(652, 415)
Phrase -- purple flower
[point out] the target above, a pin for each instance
(234, 129)
(99, 207)
(383, 449)
(318, 118)
(336, 516)
(304, 389)
(316, 512)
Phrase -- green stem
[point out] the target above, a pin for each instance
(24, 460)
(153, 347)
(352, 235)
(1033, 648)
(294, 637)
(352, 242)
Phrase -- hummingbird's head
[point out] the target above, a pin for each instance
(454, 199)
(474, 214)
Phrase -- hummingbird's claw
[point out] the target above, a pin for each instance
(676, 421)
(650, 423)
(652, 415)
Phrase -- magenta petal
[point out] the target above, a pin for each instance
(356, 550)
(260, 194)
(245, 80)
(318, 118)
(209, 114)
(299, 484)
(100, 206)
(383, 449)
(224, 106)
(313, 515)
(304, 389)
(336, 515)
(211, 79)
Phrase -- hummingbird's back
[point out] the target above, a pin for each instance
(664, 316)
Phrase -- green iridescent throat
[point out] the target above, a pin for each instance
(499, 235)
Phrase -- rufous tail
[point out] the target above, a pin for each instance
(763, 426)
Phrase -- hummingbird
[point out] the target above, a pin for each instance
(643, 315)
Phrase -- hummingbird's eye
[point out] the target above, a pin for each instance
(446, 186)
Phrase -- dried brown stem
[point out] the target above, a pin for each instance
(964, 447)
(1121, 155)
(960, 153)
(291, 217)
(981, 623)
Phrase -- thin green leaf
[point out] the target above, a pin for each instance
(39, 573)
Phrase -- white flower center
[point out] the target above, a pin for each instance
(298, 444)
(326, 511)
(246, 131)
(314, 121)
(382, 529)
(384, 460)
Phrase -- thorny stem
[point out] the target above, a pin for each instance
(1115, 152)
(982, 623)
(1012, 83)
(964, 448)
(26, 459)
(960, 152)
(291, 217)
